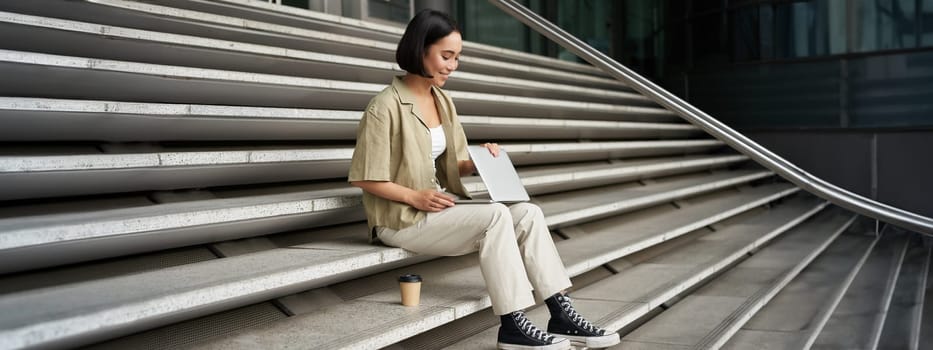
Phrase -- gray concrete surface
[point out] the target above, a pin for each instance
(709, 316)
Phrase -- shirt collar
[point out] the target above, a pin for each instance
(404, 93)
(405, 96)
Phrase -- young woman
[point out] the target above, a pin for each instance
(409, 157)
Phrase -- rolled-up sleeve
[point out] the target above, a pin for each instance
(371, 157)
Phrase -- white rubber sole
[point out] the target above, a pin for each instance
(594, 342)
(561, 345)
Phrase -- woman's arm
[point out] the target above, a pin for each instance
(424, 200)
(467, 167)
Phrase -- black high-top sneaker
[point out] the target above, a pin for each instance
(567, 323)
(517, 332)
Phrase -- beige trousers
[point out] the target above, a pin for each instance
(516, 252)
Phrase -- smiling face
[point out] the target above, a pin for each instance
(443, 57)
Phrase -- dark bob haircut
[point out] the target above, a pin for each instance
(424, 30)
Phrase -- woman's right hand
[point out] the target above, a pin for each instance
(430, 200)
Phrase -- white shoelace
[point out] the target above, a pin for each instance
(525, 325)
(577, 318)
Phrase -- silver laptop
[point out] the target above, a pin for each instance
(499, 175)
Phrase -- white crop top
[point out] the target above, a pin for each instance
(438, 141)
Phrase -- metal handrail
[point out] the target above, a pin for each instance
(720, 131)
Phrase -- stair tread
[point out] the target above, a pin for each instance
(710, 315)
(461, 292)
(181, 84)
(137, 311)
(166, 19)
(173, 49)
(795, 312)
(623, 235)
(620, 299)
(856, 322)
(572, 207)
(47, 240)
(351, 254)
(200, 221)
(30, 116)
(235, 22)
(330, 193)
(598, 302)
(333, 195)
(351, 26)
(904, 317)
(256, 155)
(32, 176)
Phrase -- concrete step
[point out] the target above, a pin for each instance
(63, 37)
(43, 176)
(568, 152)
(904, 317)
(37, 175)
(627, 234)
(326, 258)
(205, 25)
(926, 326)
(569, 208)
(28, 119)
(657, 281)
(710, 316)
(56, 76)
(379, 320)
(547, 179)
(797, 313)
(662, 269)
(295, 17)
(122, 305)
(30, 242)
(857, 321)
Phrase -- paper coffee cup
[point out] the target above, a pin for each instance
(411, 289)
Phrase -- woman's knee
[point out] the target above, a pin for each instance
(494, 214)
(526, 210)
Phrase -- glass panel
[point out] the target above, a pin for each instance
(796, 31)
(391, 10)
(766, 28)
(484, 23)
(891, 90)
(644, 43)
(838, 39)
(770, 94)
(705, 6)
(296, 3)
(885, 24)
(594, 30)
(746, 35)
(926, 23)
(709, 40)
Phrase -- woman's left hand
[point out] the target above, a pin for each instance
(493, 148)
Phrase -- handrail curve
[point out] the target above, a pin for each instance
(761, 155)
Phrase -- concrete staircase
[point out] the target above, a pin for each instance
(172, 175)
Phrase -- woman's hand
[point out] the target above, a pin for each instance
(493, 148)
(424, 200)
(430, 200)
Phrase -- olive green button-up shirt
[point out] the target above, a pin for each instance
(393, 143)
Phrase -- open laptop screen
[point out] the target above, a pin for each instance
(499, 176)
